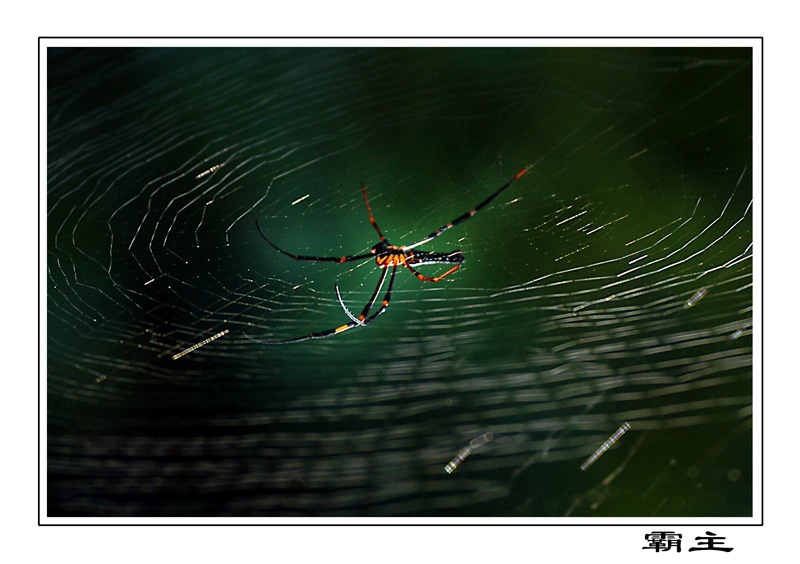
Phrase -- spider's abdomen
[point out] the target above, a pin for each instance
(426, 257)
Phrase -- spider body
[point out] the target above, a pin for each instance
(388, 257)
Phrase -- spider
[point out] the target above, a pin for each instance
(388, 256)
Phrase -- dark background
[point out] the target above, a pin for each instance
(569, 317)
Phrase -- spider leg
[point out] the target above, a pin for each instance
(469, 214)
(435, 279)
(369, 211)
(321, 335)
(359, 322)
(312, 258)
(344, 307)
(386, 298)
(360, 319)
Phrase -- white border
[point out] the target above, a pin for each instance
(481, 542)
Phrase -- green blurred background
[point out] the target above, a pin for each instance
(569, 317)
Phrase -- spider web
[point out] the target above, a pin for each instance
(612, 283)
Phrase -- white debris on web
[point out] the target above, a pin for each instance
(474, 444)
(606, 445)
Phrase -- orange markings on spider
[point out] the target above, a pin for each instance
(397, 257)
(387, 256)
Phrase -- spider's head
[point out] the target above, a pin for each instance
(380, 249)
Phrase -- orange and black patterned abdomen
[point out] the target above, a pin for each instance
(389, 255)
(425, 257)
